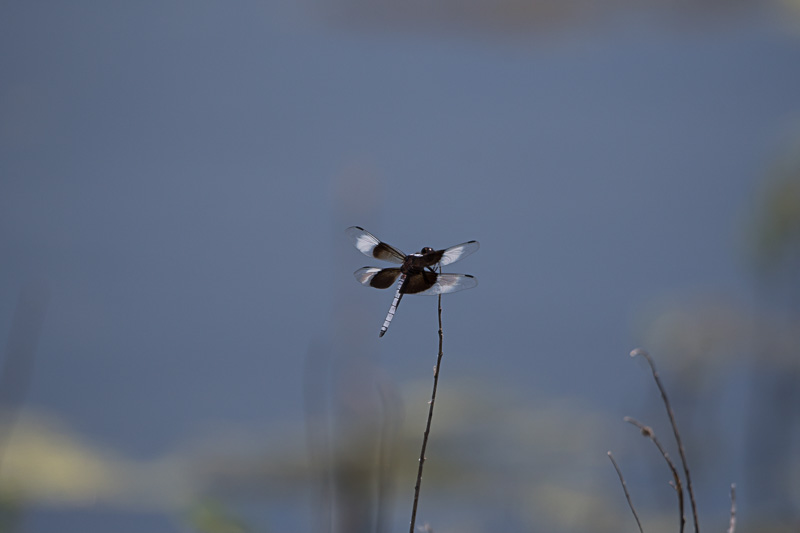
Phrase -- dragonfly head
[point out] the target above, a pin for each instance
(426, 250)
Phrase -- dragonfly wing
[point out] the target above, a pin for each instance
(368, 244)
(379, 278)
(432, 283)
(458, 252)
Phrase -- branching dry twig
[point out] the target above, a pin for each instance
(627, 495)
(428, 424)
(643, 353)
(647, 431)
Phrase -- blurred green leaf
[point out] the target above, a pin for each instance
(210, 516)
(777, 224)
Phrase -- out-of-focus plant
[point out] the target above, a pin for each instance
(776, 228)
(209, 516)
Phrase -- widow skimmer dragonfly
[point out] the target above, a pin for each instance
(416, 275)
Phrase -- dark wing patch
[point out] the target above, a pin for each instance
(419, 282)
(379, 278)
(435, 257)
(384, 252)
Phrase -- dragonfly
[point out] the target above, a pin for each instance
(417, 272)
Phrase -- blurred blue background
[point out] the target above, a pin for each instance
(188, 349)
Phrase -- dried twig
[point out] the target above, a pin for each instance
(428, 424)
(647, 431)
(639, 351)
(627, 495)
(732, 526)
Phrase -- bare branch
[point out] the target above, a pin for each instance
(428, 424)
(627, 495)
(639, 351)
(647, 431)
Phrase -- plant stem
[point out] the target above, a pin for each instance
(675, 431)
(627, 494)
(428, 424)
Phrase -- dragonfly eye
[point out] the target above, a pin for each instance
(426, 250)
